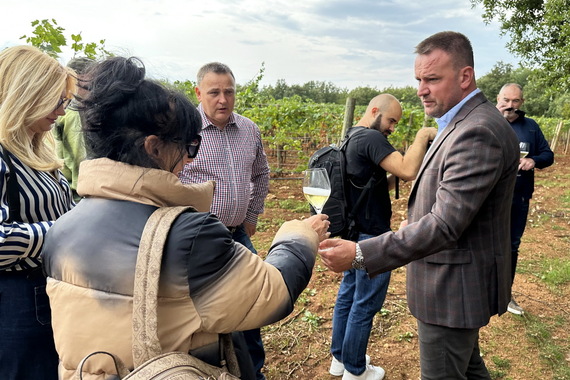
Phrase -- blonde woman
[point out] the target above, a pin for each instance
(34, 90)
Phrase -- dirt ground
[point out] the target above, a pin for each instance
(298, 347)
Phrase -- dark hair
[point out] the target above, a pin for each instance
(213, 67)
(453, 43)
(80, 64)
(122, 108)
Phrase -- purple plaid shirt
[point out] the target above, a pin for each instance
(235, 159)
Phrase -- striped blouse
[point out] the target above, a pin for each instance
(43, 199)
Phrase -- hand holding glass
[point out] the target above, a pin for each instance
(316, 187)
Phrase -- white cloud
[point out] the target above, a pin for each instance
(347, 42)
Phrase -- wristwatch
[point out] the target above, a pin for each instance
(358, 262)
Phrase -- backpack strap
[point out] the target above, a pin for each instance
(351, 223)
(350, 219)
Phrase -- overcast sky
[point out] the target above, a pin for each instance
(350, 43)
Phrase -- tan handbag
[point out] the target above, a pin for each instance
(149, 361)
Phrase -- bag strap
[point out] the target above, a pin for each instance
(120, 367)
(145, 296)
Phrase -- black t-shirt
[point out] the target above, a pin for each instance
(364, 152)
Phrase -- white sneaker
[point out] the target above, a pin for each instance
(337, 368)
(371, 373)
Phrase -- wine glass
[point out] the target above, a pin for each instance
(316, 187)
(524, 146)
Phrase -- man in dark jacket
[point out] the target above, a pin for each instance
(539, 155)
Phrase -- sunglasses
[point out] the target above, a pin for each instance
(193, 146)
(62, 102)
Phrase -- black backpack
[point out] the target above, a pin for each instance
(333, 159)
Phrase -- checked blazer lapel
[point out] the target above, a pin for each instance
(430, 153)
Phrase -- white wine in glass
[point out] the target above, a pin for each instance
(524, 146)
(316, 188)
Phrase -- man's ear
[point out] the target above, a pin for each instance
(467, 76)
(198, 93)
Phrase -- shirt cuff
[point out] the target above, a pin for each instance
(251, 218)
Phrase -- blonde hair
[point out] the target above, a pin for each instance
(31, 84)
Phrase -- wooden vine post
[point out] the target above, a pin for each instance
(556, 135)
(348, 117)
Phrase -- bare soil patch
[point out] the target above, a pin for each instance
(298, 347)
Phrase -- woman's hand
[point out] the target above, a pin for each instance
(320, 224)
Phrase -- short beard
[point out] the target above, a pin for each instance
(377, 124)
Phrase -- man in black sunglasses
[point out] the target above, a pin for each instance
(231, 154)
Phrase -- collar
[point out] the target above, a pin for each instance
(105, 178)
(206, 122)
(449, 115)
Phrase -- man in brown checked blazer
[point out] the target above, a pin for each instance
(457, 239)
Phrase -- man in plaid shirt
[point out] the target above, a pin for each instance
(231, 154)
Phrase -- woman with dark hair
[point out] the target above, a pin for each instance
(34, 91)
(139, 135)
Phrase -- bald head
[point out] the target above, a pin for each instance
(383, 113)
(382, 102)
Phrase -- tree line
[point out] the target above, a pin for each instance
(298, 118)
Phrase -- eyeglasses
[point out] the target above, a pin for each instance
(62, 102)
(193, 146)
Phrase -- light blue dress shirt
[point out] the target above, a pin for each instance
(443, 121)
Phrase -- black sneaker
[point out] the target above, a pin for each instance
(515, 308)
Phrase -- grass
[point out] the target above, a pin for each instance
(539, 331)
(289, 204)
(539, 219)
(550, 182)
(554, 272)
(265, 224)
(501, 367)
(304, 297)
(565, 199)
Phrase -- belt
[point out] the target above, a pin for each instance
(232, 229)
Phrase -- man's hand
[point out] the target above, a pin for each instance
(337, 254)
(427, 133)
(249, 228)
(526, 164)
(504, 107)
